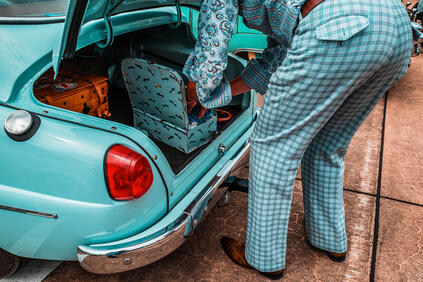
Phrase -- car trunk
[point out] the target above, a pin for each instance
(165, 45)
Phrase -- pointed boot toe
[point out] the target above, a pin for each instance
(235, 250)
(336, 257)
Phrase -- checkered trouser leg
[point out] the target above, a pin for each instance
(322, 167)
(319, 83)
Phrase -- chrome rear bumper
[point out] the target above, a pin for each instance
(129, 254)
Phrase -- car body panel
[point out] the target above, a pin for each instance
(190, 174)
(181, 222)
(248, 42)
(82, 12)
(20, 51)
(57, 172)
(179, 209)
(30, 56)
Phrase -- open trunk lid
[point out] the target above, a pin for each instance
(82, 12)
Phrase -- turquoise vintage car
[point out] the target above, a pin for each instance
(100, 191)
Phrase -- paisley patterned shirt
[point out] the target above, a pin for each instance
(217, 21)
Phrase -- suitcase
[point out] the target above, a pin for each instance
(159, 105)
(74, 91)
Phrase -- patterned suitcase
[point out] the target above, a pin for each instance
(157, 95)
(74, 91)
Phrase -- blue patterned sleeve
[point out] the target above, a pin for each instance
(205, 65)
(258, 71)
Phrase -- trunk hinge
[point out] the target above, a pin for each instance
(107, 16)
(178, 10)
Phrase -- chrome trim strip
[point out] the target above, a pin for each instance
(32, 20)
(42, 214)
(131, 255)
(135, 256)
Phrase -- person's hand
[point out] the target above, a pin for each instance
(192, 99)
(192, 104)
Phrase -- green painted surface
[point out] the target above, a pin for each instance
(242, 40)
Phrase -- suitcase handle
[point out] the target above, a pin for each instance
(102, 100)
(226, 115)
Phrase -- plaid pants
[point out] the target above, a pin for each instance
(344, 57)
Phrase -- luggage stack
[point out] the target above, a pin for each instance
(75, 91)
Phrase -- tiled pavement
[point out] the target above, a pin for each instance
(383, 203)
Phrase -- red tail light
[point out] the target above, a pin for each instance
(128, 174)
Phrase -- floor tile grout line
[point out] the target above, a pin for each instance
(360, 192)
(379, 184)
(384, 197)
(375, 195)
(401, 201)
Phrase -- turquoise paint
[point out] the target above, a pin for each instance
(96, 10)
(24, 46)
(245, 42)
(94, 27)
(60, 169)
(243, 39)
(175, 213)
(190, 174)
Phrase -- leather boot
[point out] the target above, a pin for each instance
(235, 250)
(336, 257)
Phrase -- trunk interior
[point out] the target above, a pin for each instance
(164, 45)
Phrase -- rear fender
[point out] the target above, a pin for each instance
(59, 171)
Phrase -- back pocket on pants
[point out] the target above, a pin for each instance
(342, 28)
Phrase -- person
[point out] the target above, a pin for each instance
(326, 66)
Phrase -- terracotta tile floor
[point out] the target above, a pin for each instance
(387, 194)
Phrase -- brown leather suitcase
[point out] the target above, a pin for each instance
(79, 92)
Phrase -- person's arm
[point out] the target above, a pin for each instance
(257, 73)
(205, 65)
(238, 86)
(255, 76)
